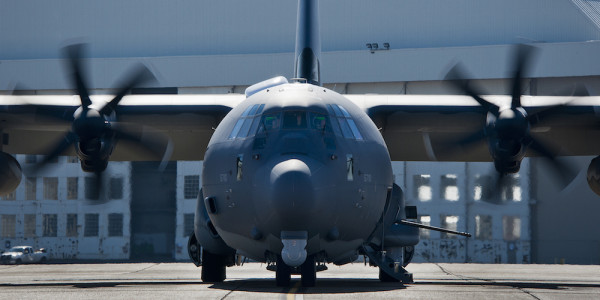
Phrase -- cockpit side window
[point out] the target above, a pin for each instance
(248, 122)
(347, 126)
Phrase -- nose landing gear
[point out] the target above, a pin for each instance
(307, 271)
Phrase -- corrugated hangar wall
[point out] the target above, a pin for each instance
(150, 28)
(233, 44)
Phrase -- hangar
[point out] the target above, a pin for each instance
(382, 47)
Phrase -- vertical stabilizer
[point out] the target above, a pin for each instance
(308, 42)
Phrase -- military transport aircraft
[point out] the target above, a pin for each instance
(297, 175)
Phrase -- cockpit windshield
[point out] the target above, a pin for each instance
(252, 122)
(271, 122)
(318, 121)
(294, 120)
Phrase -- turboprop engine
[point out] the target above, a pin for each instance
(10, 173)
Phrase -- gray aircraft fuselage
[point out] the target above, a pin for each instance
(296, 158)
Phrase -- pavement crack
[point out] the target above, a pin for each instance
(485, 280)
(456, 275)
(237, 287)
(528, 293)
(143, 269)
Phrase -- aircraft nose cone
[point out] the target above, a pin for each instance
(292, 193)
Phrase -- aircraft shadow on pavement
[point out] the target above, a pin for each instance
(323, 285)
(267, 285)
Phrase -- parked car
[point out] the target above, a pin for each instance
(24, 255)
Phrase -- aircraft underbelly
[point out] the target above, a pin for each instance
(295, 193)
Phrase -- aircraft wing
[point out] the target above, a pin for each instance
(32, 125)
(426, 128)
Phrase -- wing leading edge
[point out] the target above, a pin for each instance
(431, 127)
(30, 125)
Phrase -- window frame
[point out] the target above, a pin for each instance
(245, 125)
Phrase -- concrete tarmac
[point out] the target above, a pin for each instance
(253, 281)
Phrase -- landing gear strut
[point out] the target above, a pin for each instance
(308, 271)
(283, 273)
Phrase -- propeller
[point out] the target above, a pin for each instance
(508, 129)
(95, 131)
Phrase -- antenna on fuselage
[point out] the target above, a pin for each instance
(308, 42)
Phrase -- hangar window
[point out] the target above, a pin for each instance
(50, 224)
(91, 225)
(71, 224)
(91, 189)
(248, 122)
(30, 188)
(115, 224)
(482, 189)
(8, 225)
(72, 188)
(116, 188)
(511, 189)
(422, 187)
(450, 223)
(29, 228)
(483, 227)
(449, 187)
(191, 186)
(188, 224)
(347, 126)
(51, 188)
(511, 227)
(425, 220)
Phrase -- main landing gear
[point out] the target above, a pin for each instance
(307, 271)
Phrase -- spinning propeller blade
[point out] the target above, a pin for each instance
(95, 132)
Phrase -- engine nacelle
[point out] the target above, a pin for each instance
(593, 175)
(94, 154)
(10, 173)
(507, 155)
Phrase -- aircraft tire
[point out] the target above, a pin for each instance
(308, 271)
(283, 273)
(213, 267)
(384, 277)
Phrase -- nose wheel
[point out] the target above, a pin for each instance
(307, 271)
